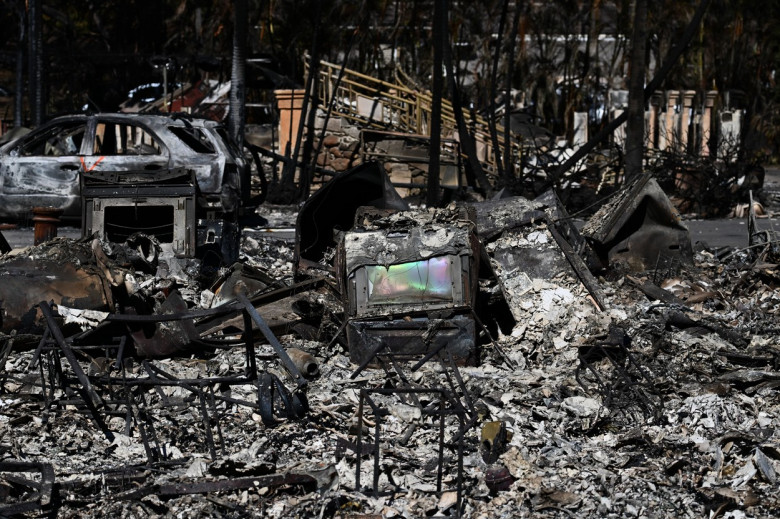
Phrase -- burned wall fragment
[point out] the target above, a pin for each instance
(544, 282)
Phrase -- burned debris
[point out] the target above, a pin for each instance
(640, 230)
(488, 358)
(286, 392)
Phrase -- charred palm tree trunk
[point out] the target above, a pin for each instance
(238, 74)
(36, 87)
(635, 129)
(231, 234)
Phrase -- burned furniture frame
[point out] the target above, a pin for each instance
(447, 407)
(116, 205)
(38, 493)
(112, 391)
(454, 401)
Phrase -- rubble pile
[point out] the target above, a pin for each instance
(646, 393)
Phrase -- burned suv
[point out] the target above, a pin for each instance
(43, 167)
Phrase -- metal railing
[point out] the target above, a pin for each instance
(372, 102)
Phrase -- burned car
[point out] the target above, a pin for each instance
(42, 168)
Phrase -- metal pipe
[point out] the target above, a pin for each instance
(304, 361)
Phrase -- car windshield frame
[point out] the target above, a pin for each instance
(194, 138)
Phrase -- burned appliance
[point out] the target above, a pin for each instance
(409, 281)
(116, 205)
(639, 230)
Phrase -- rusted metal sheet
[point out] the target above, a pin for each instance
(24, 282)
(639, 230)
(280, 316)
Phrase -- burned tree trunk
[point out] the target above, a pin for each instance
(474, 172)
(35, 21)
(238, 73)
(494, 90)
(309, 112)
(508, 155)
(19, 99)
(635, 130)
(439, 19)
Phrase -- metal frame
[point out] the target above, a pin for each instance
(180, 196)
(118, 393)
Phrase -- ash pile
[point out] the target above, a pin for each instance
(481, 360)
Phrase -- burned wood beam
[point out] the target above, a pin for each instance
(205, 487)
(584, 275)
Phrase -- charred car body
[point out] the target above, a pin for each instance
(116, 155)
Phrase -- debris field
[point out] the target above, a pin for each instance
(577, 377)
